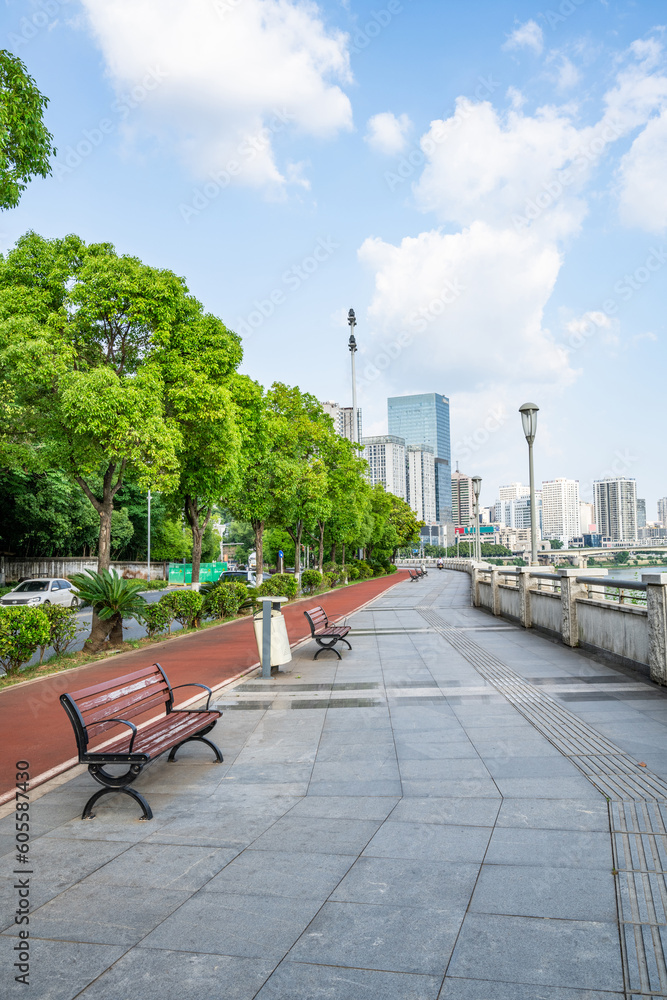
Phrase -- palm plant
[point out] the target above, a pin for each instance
(112, 599)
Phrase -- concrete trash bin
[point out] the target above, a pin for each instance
(280, 649)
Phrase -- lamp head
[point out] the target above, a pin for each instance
(477, 486)
(529, 413)
(352, 344)
(351, 318)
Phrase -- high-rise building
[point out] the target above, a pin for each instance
(343, 419)
(616, 508)
(420, 481)
(513, 491)
(587, 517)
(515, 513)
(641, 513)
(662, 511)
(560, 509)
(424, 419)
(463, 499)
(386, 462)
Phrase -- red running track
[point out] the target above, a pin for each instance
(33, 724)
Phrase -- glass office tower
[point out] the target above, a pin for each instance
(424, 419)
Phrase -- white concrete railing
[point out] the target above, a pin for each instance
(572, 605)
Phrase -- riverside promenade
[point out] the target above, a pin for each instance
(461, 809)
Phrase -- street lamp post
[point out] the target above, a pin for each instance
(477, 487)
(529, 420)
(352, 345)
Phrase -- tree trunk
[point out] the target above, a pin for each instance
(296, 538)
(333, 553)
(98, 635)
(193, 514)
(321, 552)
(343, 562)
(258, 528)
(116, 630)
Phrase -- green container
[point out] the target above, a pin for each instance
(208, 572)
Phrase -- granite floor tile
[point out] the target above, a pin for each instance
(263, 927)
(176, 975)
(408, 882)
(582, 955)
(457, 811)
(298, 875)
(371, 807)
(555, 814)
(59, 970)
(100, 914)
(385, 938)
(297, 981)
(552, 848)
(478, 989)
(318, 835)
(528, 891)
(430, 842)
(168, 866)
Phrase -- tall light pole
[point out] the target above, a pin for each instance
(477, 487)
(529, 420)
(352, 345)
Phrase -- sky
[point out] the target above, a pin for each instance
(483, 182)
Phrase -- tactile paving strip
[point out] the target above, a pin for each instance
(637, 809)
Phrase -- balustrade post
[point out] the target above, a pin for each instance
(656, 605)
(570, 591)
(495, 590)
(523, 580)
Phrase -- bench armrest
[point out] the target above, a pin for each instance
(192, 684)
(124, 722)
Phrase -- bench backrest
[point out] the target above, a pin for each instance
(123, 697)
(413, 573)
(317, 619)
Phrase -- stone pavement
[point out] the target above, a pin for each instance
(456, 811)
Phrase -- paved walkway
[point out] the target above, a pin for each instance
(32, 720)
(439, 815)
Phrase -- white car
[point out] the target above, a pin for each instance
(47, 591)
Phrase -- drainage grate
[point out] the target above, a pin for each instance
(637, 808)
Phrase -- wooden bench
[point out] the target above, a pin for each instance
(106, 710)
(414, 575)
(324, 634)
(421, 571)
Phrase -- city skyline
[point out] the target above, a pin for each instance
(494, 212)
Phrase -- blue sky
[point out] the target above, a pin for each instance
(482, 182)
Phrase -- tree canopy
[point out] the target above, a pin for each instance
(25, 143)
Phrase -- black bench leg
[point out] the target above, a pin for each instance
(201, 739)
(346, 643)
(87, 811)
(324, 649)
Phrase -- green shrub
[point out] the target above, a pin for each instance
(157, 618)
(63, 629)
(365, 571)
(225, 599)
(22, 632)
(329, 567)
(112, 599)
(311, 580)
(279, 585)
(185, 606)
(352, 572)
(391, 568)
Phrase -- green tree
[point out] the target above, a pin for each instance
(78, 327)
(25, 142)
(556, 543)
(197, 360)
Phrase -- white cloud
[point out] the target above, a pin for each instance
(234, 75)
(386, 133)
(471, 304)
(643, 192)
(568, 75)
(528, 35)
(464, 310)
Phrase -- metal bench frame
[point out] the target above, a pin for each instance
(111, 704)
(321, 631)
(414, 575)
